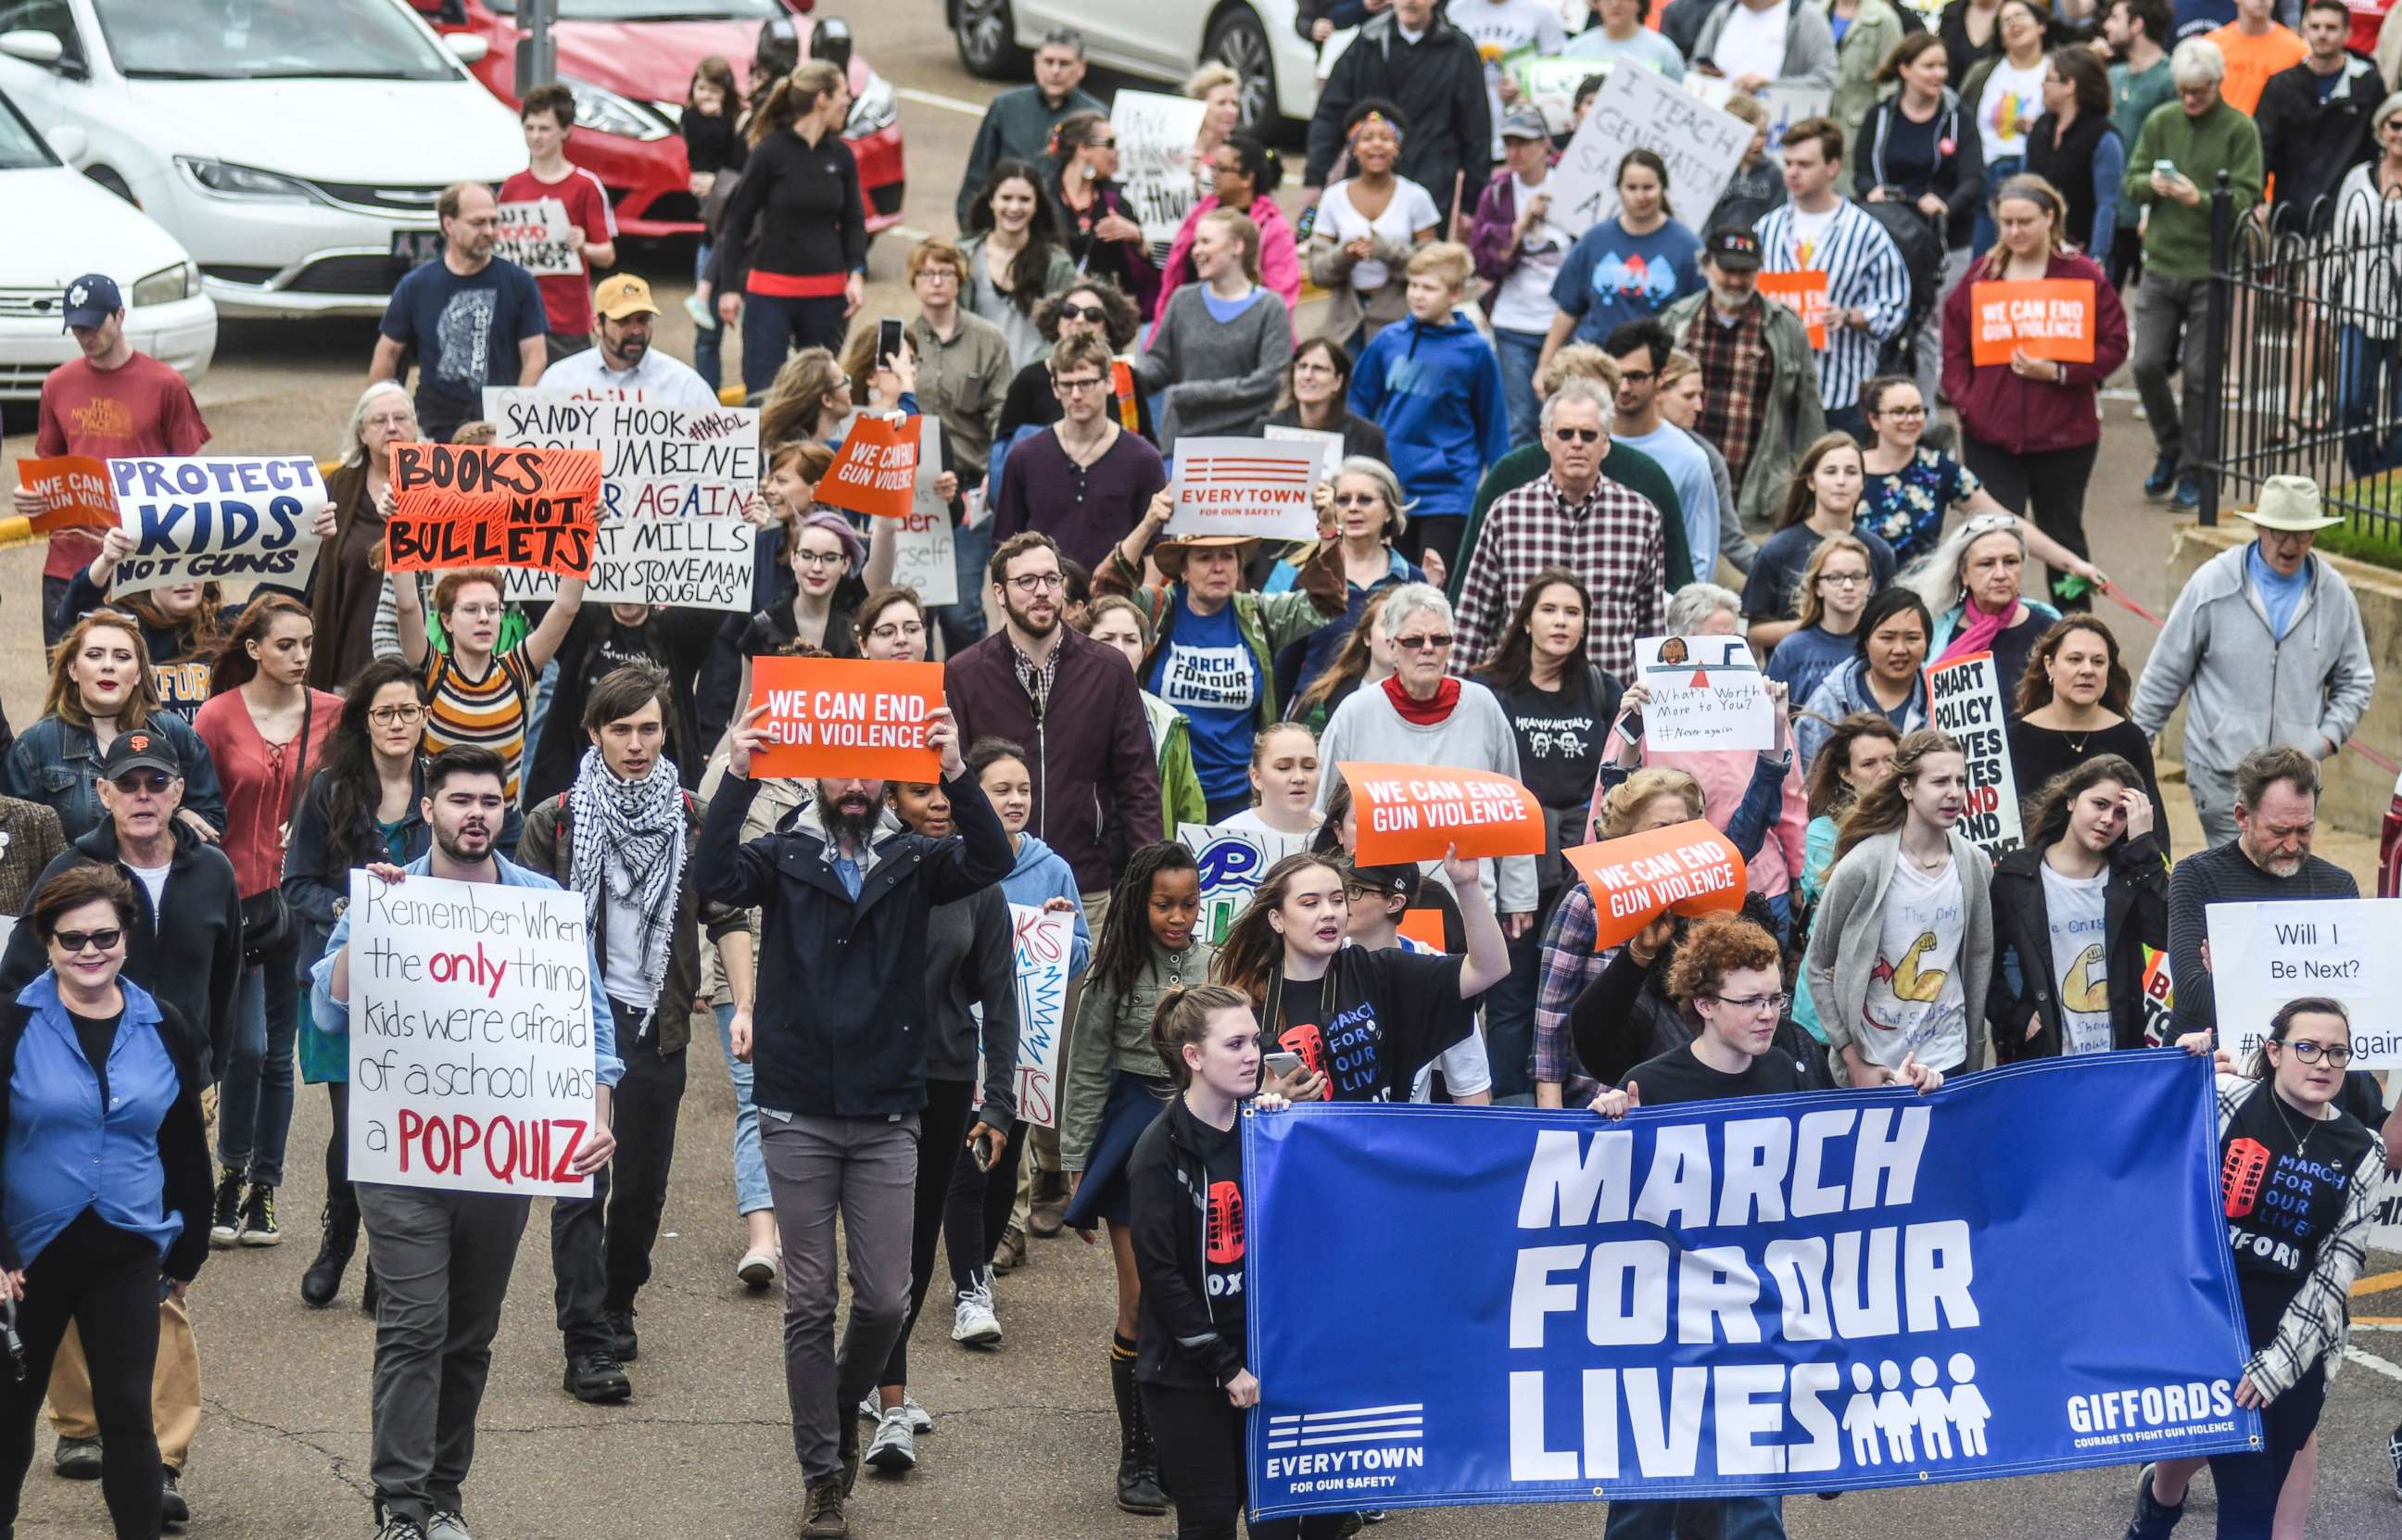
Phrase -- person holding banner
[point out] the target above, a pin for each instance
(2076, 908)
(1971, 583)
(2029, 426)
(474, 694)
(1103, 238)
(840, 1091)
(1116, 621)
(1244, 175)
(183, 623)
(805, 274)
(1886, 675)
(2296, 1258)
(101, 1248)
(2072, 703)
(448, 1251)
(1901, 955)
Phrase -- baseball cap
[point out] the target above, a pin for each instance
(1401, 879)
(623, 296)
(139, 750)
(1524, 123)
(92, 299)
(1733, 248)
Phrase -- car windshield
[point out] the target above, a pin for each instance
(270, 40)
(656, 10)
(22, 149)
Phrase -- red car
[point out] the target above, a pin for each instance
(629, 64)
(2368, 19)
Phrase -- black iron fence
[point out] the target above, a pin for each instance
(2302, 367)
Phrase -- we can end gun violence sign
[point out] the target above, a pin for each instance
(1417, 813)
(485, 505)
(846, 716)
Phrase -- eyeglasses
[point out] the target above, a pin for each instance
(1576, 436)
(895, 630)
(1083, 312)
(1109, 144)
(1067, 387)
(72, 941)
(1359, 500)
(1844, 580)
(395, 716)
(1756, 1005)
(1987, 523)
(1035, 583)
(936, 275)
(153, 781)
(1633, 377)
(817, 558)
(2337, 1055)
(1433, 641)
(1903, 411)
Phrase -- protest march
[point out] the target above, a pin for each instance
(1447, 766)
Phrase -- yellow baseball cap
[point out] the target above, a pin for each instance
(623, 296)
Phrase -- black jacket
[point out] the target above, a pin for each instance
(2135, 916)
(182, 1134)
(972, 961)
(1438, 83)
(2068, 165)
(190, 957)
(843, 1022)
(317, 889)
(2308, 145)
(1959, 177)
(677, 640)
(1178, 1342)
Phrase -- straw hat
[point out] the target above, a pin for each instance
(2290, 504)
(1169, 553)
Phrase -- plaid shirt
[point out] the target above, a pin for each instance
(1737, 376)
(1611, 540)
(1036, 680)
(1568, 964)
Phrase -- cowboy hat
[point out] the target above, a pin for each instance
(2289, 503)
(1169, 553)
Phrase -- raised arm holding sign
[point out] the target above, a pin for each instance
(481, 505)
(876, 473)
(218, 517)
(1704, 693)
(1414, 812)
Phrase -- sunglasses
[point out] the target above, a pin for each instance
(1433, 641)
(1576, 436)
(1083, 312)
(72, 941)
(152, 781)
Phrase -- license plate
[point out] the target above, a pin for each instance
(415, 248)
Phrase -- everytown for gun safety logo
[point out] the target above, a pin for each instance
(1320, 1451)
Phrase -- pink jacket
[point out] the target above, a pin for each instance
(1724, 774)
(1279, 259)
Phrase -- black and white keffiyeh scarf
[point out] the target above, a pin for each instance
(629, 836)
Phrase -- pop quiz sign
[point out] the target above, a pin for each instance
(1777, 1294)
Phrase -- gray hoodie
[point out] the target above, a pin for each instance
(2249, 690)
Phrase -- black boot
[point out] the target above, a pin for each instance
(323, 1281)
(1138, 1460)
(370, 1296)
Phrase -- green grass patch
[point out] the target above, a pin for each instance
(2378, 542)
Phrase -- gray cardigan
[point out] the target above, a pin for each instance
(1844, 936)
(1216, 378)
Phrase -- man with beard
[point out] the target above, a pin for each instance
(622, 836)
(621, 357)
(474, 319)
(840, 1078)
(442, 1257)
(1091, 763)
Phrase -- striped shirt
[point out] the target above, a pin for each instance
(1864, 272)
(489, 712)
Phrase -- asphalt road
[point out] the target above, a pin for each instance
(1025, 1444)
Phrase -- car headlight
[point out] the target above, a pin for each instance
(872, 109)
(227, 180)
(604, 111)
(167, 286)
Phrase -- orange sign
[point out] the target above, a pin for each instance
(1690, 868)
(74, 490)
(1804, 291)
(1416, 813)
(2050, 317)
(876, 472)
(483, 505)
(846, 716)
(1424, 926)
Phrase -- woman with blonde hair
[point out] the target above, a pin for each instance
(1827, 602)
(800, 187)
(1220, 91)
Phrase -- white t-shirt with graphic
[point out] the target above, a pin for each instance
(1524, 303)
(2008, 106)
(1914, 1003)
(1810, 234)
(2080, 958)
(1411, 210)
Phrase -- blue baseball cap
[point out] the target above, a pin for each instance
(92, 299)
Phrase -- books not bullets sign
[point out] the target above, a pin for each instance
(1259, 488)
(679, 487)
(1639, 109)
(488, 505)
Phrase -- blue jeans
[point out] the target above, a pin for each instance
(2369, 397)
(772, 324)
(707, 342)
(255, 1103)
(1519, 351)
(750, 1193)
(1510, 1012)
(963, 624)
(1739, 1518)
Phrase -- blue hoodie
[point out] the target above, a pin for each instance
(1040, 875)
(1436, 391)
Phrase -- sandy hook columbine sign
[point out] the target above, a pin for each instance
(1777, 1294)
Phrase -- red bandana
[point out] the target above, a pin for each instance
(1422, 713)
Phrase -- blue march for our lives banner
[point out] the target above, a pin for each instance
(2025, 1271)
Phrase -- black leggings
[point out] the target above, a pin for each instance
(105, 1280)
(2052, 479)
(338, 1144)
(941, 1128)
(979, 1205)
(1199, 1434)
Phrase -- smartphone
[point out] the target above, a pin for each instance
(2164, 168)
(980, 1151)
(887, 339)
(1281, 1065)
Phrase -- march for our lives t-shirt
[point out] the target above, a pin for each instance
(2080, 958)
(466, 332)
(1391, 1013)
(2284, 1175)
(1209, 673)
(1611, 276)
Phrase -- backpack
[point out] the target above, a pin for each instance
(1919, 241)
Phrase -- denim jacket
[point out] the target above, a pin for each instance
(56, 764)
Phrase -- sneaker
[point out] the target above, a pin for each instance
(2163, 477)
(173, 1509)
(756, 1270)
(620, 1323)
(598, 1379)
(258, 1218)
(700, 314)
(2188, 493)
(224, 1221)
(920, 1420)
(2393, 1452)
(822, 1518)
(77, 1459)
(895, 1446)
(394, 1527)
(448, 1525)
(972, 1322)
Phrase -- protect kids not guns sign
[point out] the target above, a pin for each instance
(217, 518)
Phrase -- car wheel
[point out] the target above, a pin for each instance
(987, 35)
(114, 183)
(1238, 41)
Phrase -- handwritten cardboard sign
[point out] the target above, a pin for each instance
(1965, 700)
(1640, 109)
(1043, 943)
(876, 473)
(1256, 487)
(924, 557)
(1155, 133)
(533, 235)
(472, 1062)
(2348, 950)
(216, 518)
(1707, 692)
(73, 490)
(1805, 293)
(2050, 317)
(846, 716)
(1231, 862)
(1690, 868)
(1417, 813)
(484, 505)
